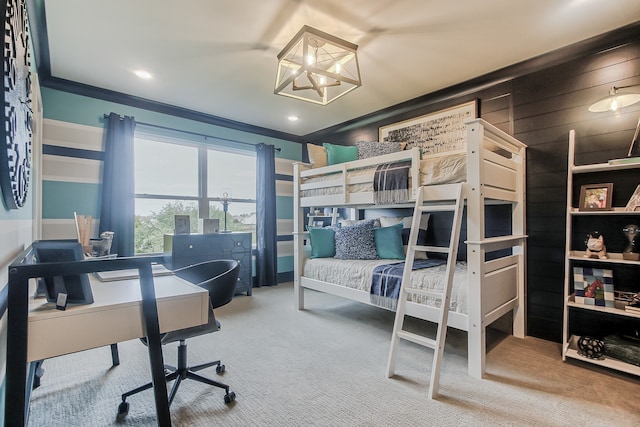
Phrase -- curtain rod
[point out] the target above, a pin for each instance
(205, 136)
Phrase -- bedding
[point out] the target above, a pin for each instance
(356, 241)
(391, 183)
(317, 155)
(323, 243)
(363, 239)
(340, 153)
(388, 242)
(357, 274)
(386, 280)
(350, 222)
(375, 148)
(387, 221)
(440, 169)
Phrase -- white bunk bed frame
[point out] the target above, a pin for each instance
(495, 287)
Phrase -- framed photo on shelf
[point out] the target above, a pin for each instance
(182, 224)
(595, 197)
(208, 225)
(633, 204)
(593, 286)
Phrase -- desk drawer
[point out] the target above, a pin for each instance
(192, 245)
(92, 325)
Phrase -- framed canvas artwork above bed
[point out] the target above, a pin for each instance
(442, 131)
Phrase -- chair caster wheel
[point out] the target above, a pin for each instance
(123, 410)
(220, 369)
(38, 374)
(229, 397)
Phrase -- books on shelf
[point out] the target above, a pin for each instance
(625, 161)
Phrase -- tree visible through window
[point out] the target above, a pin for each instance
(175, 178)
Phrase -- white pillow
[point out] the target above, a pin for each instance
(388, 221)
(351, 222)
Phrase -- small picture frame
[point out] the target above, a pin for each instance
(633, 205)
(182, 224)
(208, 225)
(594, 286)
(595, 197)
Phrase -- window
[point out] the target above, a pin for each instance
(180, 178)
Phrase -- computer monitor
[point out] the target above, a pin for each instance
(76, 287)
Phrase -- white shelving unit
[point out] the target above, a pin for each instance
(570, 347)
(317, 214)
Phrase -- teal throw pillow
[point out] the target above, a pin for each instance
(389, 242)
(340, 153)
(323, 243)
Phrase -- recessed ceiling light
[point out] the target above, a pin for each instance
(143, 74)
(293, 118)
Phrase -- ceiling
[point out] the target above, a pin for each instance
(219, 57)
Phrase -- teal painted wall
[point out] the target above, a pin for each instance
(284, 207)
(68, 107)
(61, 197)
(285, 263)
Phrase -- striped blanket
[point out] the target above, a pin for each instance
(387, 278)
(391, 183)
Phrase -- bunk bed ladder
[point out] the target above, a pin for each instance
(425, 204)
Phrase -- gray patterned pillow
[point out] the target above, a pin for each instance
(375, 148)
(356, 241)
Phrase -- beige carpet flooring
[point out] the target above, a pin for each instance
(325, 366)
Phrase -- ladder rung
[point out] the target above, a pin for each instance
(437, 208)
(431, 205)
(418, 339)
(440, 249)
(425, 292)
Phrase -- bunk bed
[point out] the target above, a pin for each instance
(487, 285)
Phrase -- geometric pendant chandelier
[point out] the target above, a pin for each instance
(317, 67)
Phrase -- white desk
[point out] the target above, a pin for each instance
(122, 310)
(115, 316)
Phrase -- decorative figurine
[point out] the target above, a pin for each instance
(631, 251)
(590, 347)
(595, 246)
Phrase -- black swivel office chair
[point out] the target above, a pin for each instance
(219, 277)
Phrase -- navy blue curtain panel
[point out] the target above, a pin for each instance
(266, 226)
(117, 213)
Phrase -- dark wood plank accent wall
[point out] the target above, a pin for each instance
(547, 105)
(539, 108)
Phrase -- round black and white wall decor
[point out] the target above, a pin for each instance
(15, 152)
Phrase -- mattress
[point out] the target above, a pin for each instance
(440, 169)
(357, 274)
